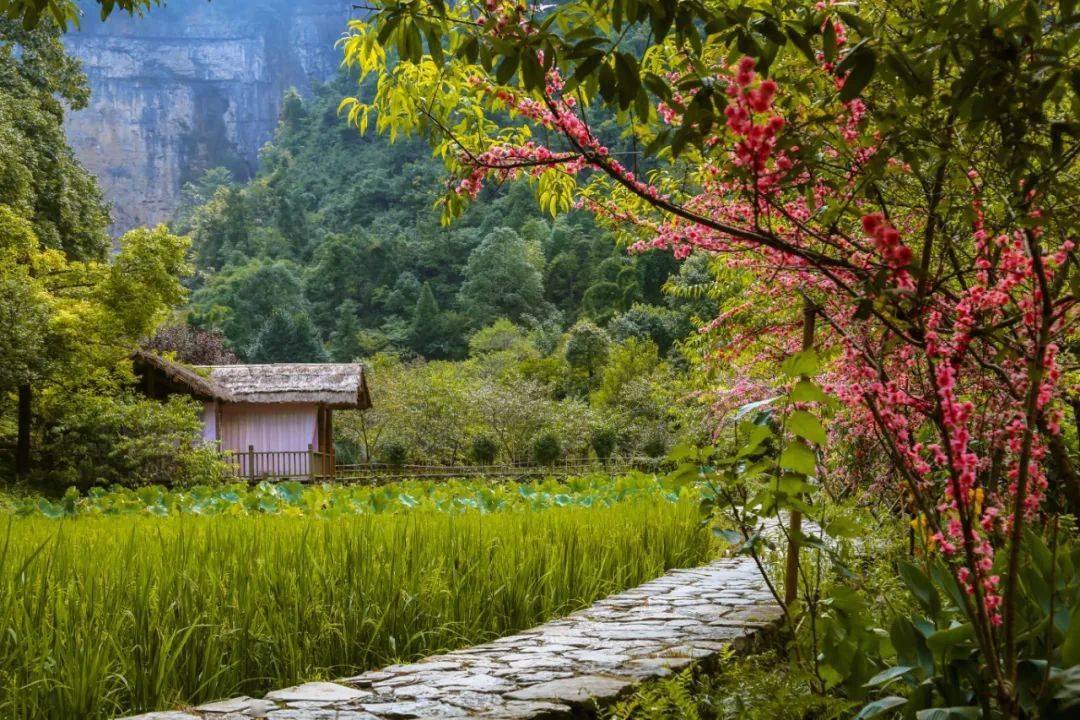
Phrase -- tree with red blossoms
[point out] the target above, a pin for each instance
(906, 170)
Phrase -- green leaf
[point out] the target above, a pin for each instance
(889, 675)
(966, 712)
(801, 363)
(920, 586)
(829, 41)
(807, 427)
(506, 69)
(798, 457)
(844, 527)
(531, 72)
(864, 62)
(729, 536)
(807, 391)
(800, 41)
(943, 640)
(879, 706)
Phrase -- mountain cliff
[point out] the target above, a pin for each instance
(192, 85)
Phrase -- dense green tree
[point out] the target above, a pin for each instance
(287, 337)
(347, 340)
(70, 310)
(355, 214)
(500, 281)
(334, 278)
(587, 348)
(239, 301)
(660, 324)
(221, 229)
(436, 333)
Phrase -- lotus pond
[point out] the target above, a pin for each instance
(109, 609)
(336, 500)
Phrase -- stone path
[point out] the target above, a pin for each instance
(561, 669)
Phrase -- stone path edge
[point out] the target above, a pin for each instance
(562, 669)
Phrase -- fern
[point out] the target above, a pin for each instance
(758, 687)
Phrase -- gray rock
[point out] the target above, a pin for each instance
(581, 690)
(414, 709)
(233, 705)
(325, 692)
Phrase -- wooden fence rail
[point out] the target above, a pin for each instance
(313, 466)
(376, 472)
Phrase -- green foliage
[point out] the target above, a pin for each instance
(72, 311)
(287, 337)
(547, 450)
(66, 12)
(305, 598)
(241, 302)
(602, 440)
(128, 441)
(587, 348)
(501, 282)
(763, 686)
(352, 218)
(483, 450)
(394, 453)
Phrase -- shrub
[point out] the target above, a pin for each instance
(483, 450)
(394, 453)
(602, 440)
(131, 441)
(655, 445)
(546, 448)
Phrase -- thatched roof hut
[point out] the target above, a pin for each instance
(274, 420)
(334, 385)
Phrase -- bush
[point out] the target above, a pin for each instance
(394, 454)
(131, 441)
(602, 440)
(483, 450)
(546, 448)
(655, 446)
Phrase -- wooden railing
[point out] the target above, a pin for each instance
(281, 464)
(314, 466)
(377, 472)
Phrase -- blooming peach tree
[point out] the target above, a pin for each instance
(904, 172)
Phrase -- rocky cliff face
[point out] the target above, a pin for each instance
(192, 85)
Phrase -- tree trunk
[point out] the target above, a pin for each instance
(791, 571)
(22, 446)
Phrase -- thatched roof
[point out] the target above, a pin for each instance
(334, 384)
(340, 385)
(180, 377)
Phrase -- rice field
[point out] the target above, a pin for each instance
(107, 615)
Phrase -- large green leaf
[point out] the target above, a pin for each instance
(806, 426)
(879, 706)
(798, 457)
(965, 712)
(862, 70)
(803, 363)
(889, 675)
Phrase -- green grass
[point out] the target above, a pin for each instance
(107, 615)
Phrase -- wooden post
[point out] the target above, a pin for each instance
(251, 462)
(331, 455)
(791, 572)
(25, 419)
(311, 462)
